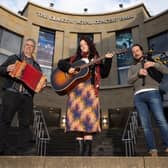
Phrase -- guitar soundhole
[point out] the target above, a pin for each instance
(77, 69)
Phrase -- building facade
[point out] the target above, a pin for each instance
(57, 35)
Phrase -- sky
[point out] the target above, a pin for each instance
(94, 6)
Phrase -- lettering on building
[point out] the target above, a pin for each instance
(83, 22)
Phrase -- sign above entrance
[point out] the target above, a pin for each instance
(84, 22)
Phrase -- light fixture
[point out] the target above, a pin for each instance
(63, 121)
(121, 5)
(85, 10)
(51, 4)
(104, 122)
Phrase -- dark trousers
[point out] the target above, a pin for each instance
(11, 103)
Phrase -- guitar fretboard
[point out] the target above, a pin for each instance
(102, 57)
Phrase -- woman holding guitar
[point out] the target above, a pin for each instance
(83, 115)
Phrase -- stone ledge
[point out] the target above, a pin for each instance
(82, 162)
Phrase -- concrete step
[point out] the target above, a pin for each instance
(82, 162)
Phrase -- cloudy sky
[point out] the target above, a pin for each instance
(94, 6)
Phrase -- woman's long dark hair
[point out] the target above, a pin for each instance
(92, 49)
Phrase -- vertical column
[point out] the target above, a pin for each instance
(72, 43)
(98, 42)
(66, 42)
(59, 44)
(136, 35)
(35, 35)
(139, 37)
(109, 45)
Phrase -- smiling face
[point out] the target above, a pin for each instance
(28, 48)
(84, 46)
(137, 52)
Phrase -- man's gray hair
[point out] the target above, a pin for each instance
(31, 39)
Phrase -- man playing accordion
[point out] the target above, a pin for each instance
(17, 97)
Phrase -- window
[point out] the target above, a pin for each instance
(123, 40)
(45, 51)
(159, 43)
(10, 43)
(159, 46)
(2, 58)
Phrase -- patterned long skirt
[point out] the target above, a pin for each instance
(83, 113)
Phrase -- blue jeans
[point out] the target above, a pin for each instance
(144, 103)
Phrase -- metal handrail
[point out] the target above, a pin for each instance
(41, 134)
(129, 134)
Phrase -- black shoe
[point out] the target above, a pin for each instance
(88, 148)
(80, 147)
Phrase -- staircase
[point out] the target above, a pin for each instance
(106, 143)
(61, 143)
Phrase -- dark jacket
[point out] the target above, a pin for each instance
(150, 81)
(9, 81)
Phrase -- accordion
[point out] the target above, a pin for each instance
(29, 75)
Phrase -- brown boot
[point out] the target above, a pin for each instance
(153, 153)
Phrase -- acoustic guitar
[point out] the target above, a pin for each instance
(63, 82)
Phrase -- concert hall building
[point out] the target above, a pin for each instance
(57, 35)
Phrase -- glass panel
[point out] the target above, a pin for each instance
(123, 40)
(159, 43)
(2, 58)
(160, 52)
(159, 46)
(45, 50)
(123, 75)
(10, 41)
(47, 72)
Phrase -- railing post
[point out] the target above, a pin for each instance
(129, 134)
(41, 134)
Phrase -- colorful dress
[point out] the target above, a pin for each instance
(83, 109)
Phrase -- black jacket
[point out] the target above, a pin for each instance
(9, 81)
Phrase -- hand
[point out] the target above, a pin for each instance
(10, 68)
(143, 72)
(41, 84)
(72, 71)
(149, 64)
(45, 84)
(109, 55)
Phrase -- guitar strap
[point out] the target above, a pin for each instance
(97, 77)
(72, 58)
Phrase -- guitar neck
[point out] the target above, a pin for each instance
(102, 57)
(92, 62)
